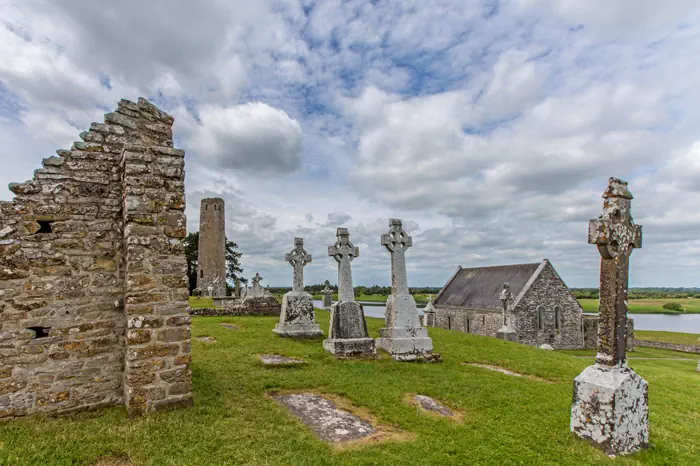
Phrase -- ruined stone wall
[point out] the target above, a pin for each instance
(62, 266)
(590, 332)
(480, 322)
(211, 261)
(549, 291)
(668, 346)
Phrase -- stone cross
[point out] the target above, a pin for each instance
(257, 279)
(343, 251)
(616, 235)
(210, 290)
(506, 297)
(298, 258)
(397, 242)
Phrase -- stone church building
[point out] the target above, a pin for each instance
(542, 309)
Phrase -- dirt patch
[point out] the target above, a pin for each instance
(507, 371)
(278, 360)
(433, 407)
(337, 421)
(207, 339)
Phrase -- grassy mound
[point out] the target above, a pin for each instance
(507, 420)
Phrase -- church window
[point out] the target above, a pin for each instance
(449, 323)
(557, 317)
(468, 329)
(540, 317)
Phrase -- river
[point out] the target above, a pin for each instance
(685, 323)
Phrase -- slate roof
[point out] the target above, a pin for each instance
(480, 287)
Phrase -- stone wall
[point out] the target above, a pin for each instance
(65, 273)
(265, 306)
(590, 332)
(668, 346)
(479, 322)
(548, 291)
(211, 259)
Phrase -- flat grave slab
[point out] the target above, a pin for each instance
(329, 420)
(230, 326)
(278, 360)
(506, 371)
(207, 339)
(430, 406)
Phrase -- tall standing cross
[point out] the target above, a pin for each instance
(616, 236)
(343, 251)
(256, 279)
(506, 297)
(397, 241)
(298, 258)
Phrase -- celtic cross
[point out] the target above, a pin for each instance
(298, 258)
(616, 236)
(397, 241)
(343, 251)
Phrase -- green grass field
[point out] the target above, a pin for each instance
(508, 420)
(668, 337)
(200, 303)
(648, 306)
(377, 298)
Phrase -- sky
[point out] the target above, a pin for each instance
(489, 127)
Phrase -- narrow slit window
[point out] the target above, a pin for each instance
(540, 317)
(44, 226)
(40, 332)
(557, 316)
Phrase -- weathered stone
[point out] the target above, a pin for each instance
(506, 332)
(277, 360)
(610, 404)
(347, 335)
(402, 336)
(428, 404)
(211, 262)
(327, 296)
(297, 318)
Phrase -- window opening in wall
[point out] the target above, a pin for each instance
(206, 206)
(468, 327)
(540, 317)
(483, 320)
(44, 226)
(557, 316)
(40, 332)
(201, 273)
(449, 323)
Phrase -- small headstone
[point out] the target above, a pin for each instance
(347, 335)
(403, 336)
(546, 347)
(257, 290)
(207, 339)
(327, 296)
(323, 417)
(429, 314)
(506, 332)
(428, 404)
(277, 360)
(610, 403)
(297, 318)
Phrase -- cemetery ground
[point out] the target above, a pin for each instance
(506, 419)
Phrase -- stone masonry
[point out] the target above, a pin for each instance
(93, 287)
(211, 259)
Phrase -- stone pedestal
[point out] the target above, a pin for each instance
(347, 335)
(404, 338)
(611, 409)
(327, 301)
(297, 317)
(507, 334)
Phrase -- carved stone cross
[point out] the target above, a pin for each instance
(506, 297)
(298, 258)
(257, 279)
(616, 236)
(343, 251)
(397, 242)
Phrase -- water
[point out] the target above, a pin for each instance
(685, 323)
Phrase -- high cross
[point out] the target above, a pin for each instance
(256, 279)
(397, 241)
(298, 258)
(506, 297)
(343, 251)
(616, 236)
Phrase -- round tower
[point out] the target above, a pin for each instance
(211, 262)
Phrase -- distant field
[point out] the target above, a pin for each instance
(668, 337)
(648, 306)
(377, 298)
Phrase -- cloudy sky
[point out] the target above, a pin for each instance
(490, 127)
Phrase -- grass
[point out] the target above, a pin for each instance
(200, 303)
(378, 298)
(648, 306)
(508, 420)
(668, 337)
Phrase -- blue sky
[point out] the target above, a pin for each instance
(489, 127)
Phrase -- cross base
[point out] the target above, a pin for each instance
(407, 344)
(611, 409)
(351, 348)
(507, 334)
(297, 317)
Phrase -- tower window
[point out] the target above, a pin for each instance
(44, 226)
(540, 317)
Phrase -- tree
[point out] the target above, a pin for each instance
(233, 259)
(191, 244)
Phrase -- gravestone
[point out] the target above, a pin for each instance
(429, 314)
(403, 336)
(256, 291)
(297, 317)
(507, 332)
(347, 335)
(236, 287)
(610, 404)
(327, 296)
